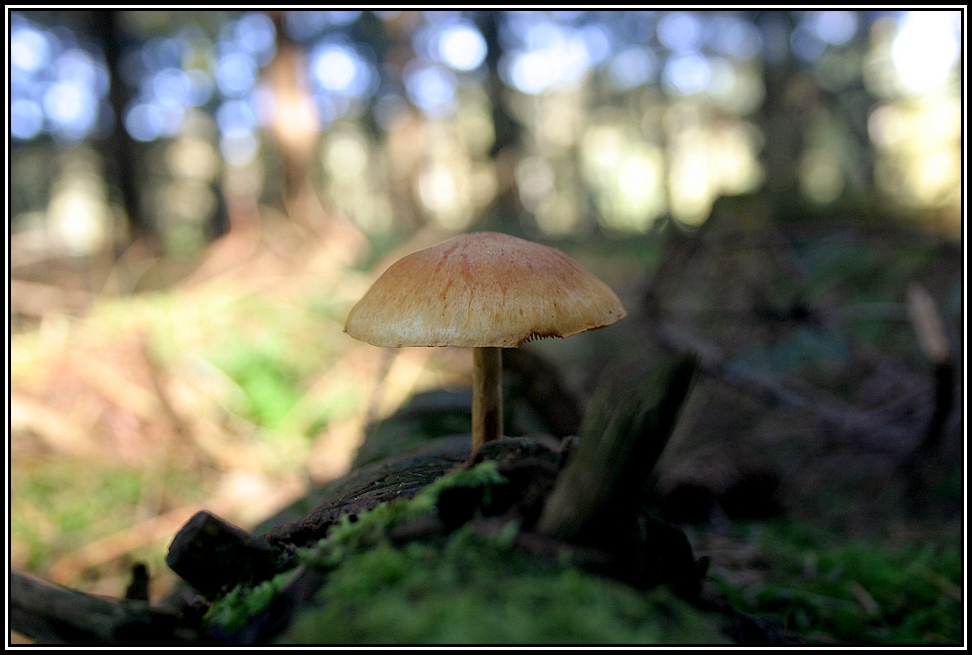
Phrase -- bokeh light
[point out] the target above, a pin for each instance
(926, 49)
(681, 31)
(633, 66)
(461, 45)
(78, 220)
(684, 88)
(732, 36)
(336, 69)
(236, 74)
(687, 73)
(26, 119)
(57, 87)
(256, 35)
(29, 48)
(430, 87)
(835, 27)
(545, 54)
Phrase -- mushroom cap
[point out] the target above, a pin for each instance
(482, 289)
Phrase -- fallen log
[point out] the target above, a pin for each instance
(49, 613)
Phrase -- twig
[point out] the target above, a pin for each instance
(847, 420)
(214, 556)
(930, 331)
(52, 614)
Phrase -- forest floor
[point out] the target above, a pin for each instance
(818, 464)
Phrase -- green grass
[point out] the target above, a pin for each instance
(856, 592)
(224, 365)
(55, 512)
(269, 382)
(51, 518)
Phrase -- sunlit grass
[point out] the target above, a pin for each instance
(233, 393)
(49, 517)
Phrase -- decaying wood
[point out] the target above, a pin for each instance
(600, 491)
(52, 614)
(363, 489)
(215, 556)
(138, 588)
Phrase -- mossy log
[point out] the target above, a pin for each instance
(541, 513)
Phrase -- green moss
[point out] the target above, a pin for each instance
(463, 588)
(370, 528)
(237, 607)
(857, 592)
(480, 590)
(347, 538)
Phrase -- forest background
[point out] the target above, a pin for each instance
(196, 199)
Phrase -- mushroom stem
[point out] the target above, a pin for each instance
(487, 408)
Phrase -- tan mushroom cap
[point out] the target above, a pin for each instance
(482, 290)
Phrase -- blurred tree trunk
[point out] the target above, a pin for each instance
(506, 128)
(505, 210)
(295, 125)
(798, 101)
(779, 117)
(119, 149)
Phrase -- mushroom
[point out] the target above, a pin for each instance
(486, 291)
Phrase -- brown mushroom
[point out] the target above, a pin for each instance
(486, 291)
